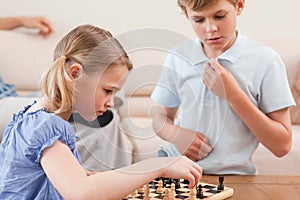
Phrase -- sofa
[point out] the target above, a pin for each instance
(24, 56)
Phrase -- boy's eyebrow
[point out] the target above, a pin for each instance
(217, 12)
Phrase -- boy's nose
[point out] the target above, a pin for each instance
(210, 27)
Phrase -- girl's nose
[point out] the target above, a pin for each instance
(110, 103)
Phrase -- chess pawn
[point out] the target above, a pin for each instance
(146, 192)
(192, 194)
(221, 185)
(172, 192)
(160, 189)
(199, 193)
(166, 194)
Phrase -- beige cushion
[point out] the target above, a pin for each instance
(10, 106)
(295, 111)
(24, 57)
(145, 142)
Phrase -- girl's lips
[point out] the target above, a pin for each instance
(100, 113)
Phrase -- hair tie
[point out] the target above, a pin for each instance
(64, 57)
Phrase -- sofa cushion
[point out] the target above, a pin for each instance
(10, 106)
(24, 57)
(145, 142)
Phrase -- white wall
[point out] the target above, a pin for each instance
(273, 22)
(259, 17)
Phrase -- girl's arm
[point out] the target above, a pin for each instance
(72, 182)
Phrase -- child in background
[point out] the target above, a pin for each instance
(231, 92)
(38, 156)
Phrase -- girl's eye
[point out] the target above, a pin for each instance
(108, 91)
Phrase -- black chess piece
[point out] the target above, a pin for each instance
(177, 183)
(221, 185)
(199, 193)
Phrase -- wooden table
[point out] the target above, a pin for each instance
(260, 187)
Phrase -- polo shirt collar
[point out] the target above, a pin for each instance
(230, 54)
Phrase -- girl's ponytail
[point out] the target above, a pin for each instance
(58, 86)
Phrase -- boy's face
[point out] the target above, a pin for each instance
(95, 94)
(215, 26)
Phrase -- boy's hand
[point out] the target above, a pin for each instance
(192, 144)
(220, 81)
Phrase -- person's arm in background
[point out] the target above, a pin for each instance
(40, 22)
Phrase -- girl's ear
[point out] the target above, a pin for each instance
(75, 70)
(240, 6)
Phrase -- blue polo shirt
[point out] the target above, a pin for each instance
(21, 173)
(260, 73)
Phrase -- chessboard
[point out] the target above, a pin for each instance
(171, 189)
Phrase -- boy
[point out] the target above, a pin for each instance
(231, 93)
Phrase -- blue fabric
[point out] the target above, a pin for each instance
(21, 174)
(7, 90)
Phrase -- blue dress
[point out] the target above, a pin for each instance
(21, 173)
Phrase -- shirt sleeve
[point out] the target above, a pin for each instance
(275, 91)
(44, 134)
(165, 91)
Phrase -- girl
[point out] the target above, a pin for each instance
(38, 157)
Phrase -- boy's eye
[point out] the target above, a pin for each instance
(219, 16)
(199, 20)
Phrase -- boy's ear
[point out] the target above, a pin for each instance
(240, 6)
(75, 70)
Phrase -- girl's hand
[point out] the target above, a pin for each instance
(182, 168)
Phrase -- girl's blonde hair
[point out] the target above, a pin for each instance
(197, 5)
(93, 48)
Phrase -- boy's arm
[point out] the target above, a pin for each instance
(273, 130)
(189, 143)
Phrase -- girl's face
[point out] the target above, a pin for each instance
(95, 93)
(215, 26)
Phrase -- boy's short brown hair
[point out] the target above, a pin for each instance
(197, 5)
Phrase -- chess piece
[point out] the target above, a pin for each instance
(160, 189)
(199, 193)
(177, 183)
(166, 194)
(192, 194)
(221, 185)
(147, 192)
(172, 192)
